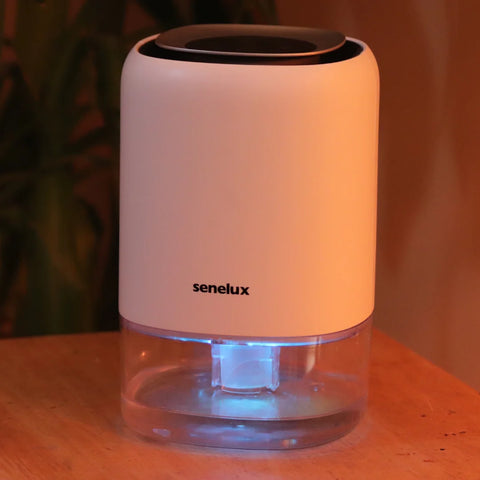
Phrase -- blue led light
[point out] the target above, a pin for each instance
(245, 368)
(253, 342)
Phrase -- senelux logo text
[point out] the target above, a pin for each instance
(222, 289)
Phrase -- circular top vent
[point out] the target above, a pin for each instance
(262, 41)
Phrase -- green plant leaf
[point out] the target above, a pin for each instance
(60, 260)
(37, 30)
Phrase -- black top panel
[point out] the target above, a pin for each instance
(251, 44)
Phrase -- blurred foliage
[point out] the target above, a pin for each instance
(59, 137)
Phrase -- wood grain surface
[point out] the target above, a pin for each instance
(60, 419)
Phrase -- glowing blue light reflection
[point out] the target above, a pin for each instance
(259, 341)
(245, 369)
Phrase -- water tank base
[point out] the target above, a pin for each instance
(301, 393)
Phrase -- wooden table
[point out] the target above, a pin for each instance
(60, 419)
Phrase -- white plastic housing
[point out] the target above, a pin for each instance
(256, 176)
